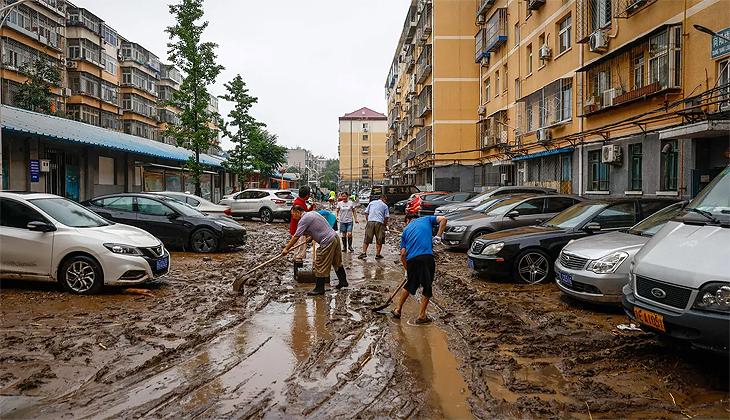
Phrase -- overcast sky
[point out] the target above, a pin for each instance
(308, 62)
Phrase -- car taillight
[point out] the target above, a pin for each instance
(227, 212)
(277, 201)
(426, 205)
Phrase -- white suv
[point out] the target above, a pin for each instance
(266, 204)
(47, 237)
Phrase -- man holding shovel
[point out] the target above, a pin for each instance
(329, 255)
(301, 252)
(416, 254)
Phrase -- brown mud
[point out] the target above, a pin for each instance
(196, 350)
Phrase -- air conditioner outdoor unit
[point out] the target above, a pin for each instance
(545, 52)
(480, 20)
(543, 134)
(598, 42)
(535, 4)
(66, 92)
(635, 5)
(481, 110)
(71, 64)
(418, 122)
(397, 90)
(484, 61)
(608, 96)
(611, 153)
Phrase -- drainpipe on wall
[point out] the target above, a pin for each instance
(580, 126)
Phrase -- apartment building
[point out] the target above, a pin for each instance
(362, 142)
(432, 91)
(169, 83)
(140, 72)
(309, 165)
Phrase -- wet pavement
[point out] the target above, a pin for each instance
(196, 350)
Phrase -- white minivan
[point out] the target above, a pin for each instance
(680, 280)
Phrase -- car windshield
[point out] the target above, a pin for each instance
(70, 213)
(489, 203)
(715, 198)
(479, 197)
(182, 208)
(651, 225)
(574, 216)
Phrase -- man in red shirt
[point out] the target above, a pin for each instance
(301, 252)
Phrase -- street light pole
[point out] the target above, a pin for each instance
(710, 32)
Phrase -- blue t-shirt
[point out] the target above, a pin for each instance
(331, 218)
(416, 237)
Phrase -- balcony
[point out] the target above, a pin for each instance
(84, 18)
(546, 107)
(480, 44)
(646, 67)
(393, 117)
(424, 64)
(627, 8)
(424, 140)
(535, 4)
(496, 30)
(492, 132)
(424, 26)
(410, 25)
(410, 61)
(485, 7)
(424, 102)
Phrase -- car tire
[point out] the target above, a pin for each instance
(532, 266)
(81, 275)
(204, 241)
(266, 215)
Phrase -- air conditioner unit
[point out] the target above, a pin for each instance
(611, 153)
(535, 4)
(66, 92)
(418, 122)
(503, 137)
(397, 90)
(481, 20)
(608, 96)
(71, 64)
(635, 5)
(599, 41)
(484, 61)
(481, 110)
(545, 52)
(543, 134)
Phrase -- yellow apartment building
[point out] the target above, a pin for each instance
(169, 83)
(433, 93)
(362, 139)
(140, 70)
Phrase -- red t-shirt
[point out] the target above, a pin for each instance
(294, 222)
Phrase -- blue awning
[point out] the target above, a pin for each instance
(545, 153)
(62, 129)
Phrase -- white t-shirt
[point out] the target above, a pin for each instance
(346, 211)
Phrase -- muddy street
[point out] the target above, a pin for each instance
(190, 348)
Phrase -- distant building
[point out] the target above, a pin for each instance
(362, 148)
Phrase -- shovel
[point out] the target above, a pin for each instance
(241, 279)
(307, 276)
(390, 299)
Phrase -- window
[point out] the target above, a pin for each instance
(529, 59)
(107, 171)
(155, 208)
(517, 35)
(599, 172)
(541, 41)
(566, 100)
(193, 202)
(109, 35)
(365, 127)
(617, 216)
(119, 203)
(110, 120)
(84, 83)
(365, 173)
(531, 207)
(558, 204)
(658, 60)
(365, 150)
(364, 137)
(84, 113)
(669, 165)
(16, 215)
(139, 79)
(364, 162)
(564, 34)
(488, 89)
(110, 64)
(600, 13)
(724, 79)
(517, 89)
(506, 80)
(109, 92)
(82, 48)
(635, 168)
(138, 104)
(638, 68)
(496, 83)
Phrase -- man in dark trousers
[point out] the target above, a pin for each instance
(300, 253)
(416, 254)
(329, 255)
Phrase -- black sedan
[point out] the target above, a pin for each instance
(172, 222)
(400, 207)
(428, 207)
(528, 253)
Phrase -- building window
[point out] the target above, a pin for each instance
(138, 104)
(365, 162)
(635, 169)
(600, 14)
(517, 89)
(83, 49)
(110, 120)
(566, 100)
(496, 83)
(639, 70)
(723, 79)
(109, 35)
(488, 90)
(658, 60)
(564, 34)
(365, 127)
(365, 150)
(670, 165)
(599, 172)
(84, 83)
(506, 80)
(529, 59)
(365, 173)
(364, 137)
(84, 114)
(110, 64)
(517, 34)
(541, 41)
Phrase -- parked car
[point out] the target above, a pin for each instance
(482, 207)
(596, 268)
(527, 253)
(429, 206)
(399, 207)
(395, 193)
(173, 222)
(199, 203)
(474, 201)
(521, 210)
(364, 198)
(265, 204)
(679, 282)
(414, 203)
(50, 238)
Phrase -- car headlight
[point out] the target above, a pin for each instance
(492, 249)
(607, 264)
(123, 249)
(570, 242)
(713, 297)
(458, 229)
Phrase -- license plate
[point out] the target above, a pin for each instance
(161, 264)
(290, 204)
(649, 318)
(565, 278)
(471, 263)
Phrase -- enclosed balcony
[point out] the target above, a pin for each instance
(547, 107)
(424, 26)
(424, 102)
(492, 131)
(84, 18)
(424, 64)
(393, 117)
(484, 8)
(424, 140)
(481, 46)
(409, 27)
(496, 30)
(409, 58)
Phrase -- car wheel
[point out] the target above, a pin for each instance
(204, 241)
(81, 275)
(266, 215)
(532, 267)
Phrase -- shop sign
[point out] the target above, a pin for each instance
(720, 46)
(35, 170)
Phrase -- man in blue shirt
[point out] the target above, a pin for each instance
(376, 214)
(416, 254)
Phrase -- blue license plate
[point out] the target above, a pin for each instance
(565, 278)
(162, 264)
(290, 204)
(471, 263)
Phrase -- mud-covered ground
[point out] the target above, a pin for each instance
(193, 349)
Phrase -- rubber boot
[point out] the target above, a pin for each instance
(344, 244)
(349, 243)
(342, 277)
(319, 288)
(297, 266)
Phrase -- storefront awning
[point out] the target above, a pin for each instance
(545, 153)
(719, 128)
(62, 129)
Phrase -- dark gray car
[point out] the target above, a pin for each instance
(474, 201)
(523, 210)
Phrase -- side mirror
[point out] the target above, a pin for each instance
(592, 227)
(172, 216)
(38, 226)
(539, 221)
(513, 214)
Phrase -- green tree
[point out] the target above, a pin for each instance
(266, 155)
(35, 94)
(330, 174)
(197, 60)
(293, 170)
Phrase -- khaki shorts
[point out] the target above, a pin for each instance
(327, 257)
(301, 252)
(376, 229)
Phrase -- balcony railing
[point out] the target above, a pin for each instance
(492, 131)
(424, 141)
(424, 102)
(409, 26)
(424, 64)
(393, 116)
(645, 67)
(425, 20)
(485, 7)
(410, 60)
(481, 45)
(548, 106)
(496, 30)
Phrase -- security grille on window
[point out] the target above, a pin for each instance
(82, 48)
(138, 104)
(599, 172)
(551, 105)
(110, 120)
(109, 35)
(85, 114)
(669, 165)
(600, 13)
(564, 35)
(139, 129)
(110, 64)
(84, 83)
(139, 79)
(109, 92)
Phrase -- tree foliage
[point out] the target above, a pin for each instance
(197, 60)
(35, 94)
(266, 156)
(293, 170)
(330, 174)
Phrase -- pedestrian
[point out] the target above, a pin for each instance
(376, 214)
(301, 252)
(416, 254)
(330, 218)
(332, 199)
(346, 214)
(329, 255)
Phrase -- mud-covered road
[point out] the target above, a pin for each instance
(194, 350)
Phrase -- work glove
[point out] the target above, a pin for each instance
(436, 241)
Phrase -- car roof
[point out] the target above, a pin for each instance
(628, 199)
(27, 195)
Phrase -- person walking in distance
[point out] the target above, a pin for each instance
(301, 252)
(347, 216)
(332, 199)
(416, 254)
(376, 214)
(329, 255)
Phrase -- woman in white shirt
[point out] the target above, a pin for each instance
(346, 216)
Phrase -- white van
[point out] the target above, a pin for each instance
(680, 280)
